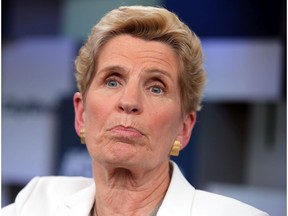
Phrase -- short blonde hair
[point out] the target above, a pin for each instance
(152, 24)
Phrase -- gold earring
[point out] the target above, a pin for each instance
(82, 136)
(175, 148)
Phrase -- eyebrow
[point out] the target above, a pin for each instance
(111, 68)
(159, 71)
(123, 70)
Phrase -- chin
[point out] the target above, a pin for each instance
(121, 153)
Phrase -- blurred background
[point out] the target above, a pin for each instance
(238, 147)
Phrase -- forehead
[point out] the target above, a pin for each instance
(129, 50)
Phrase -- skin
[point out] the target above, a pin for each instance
(132, 116)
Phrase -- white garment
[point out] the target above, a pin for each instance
(74, 196)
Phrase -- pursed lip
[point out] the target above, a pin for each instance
(126, 131)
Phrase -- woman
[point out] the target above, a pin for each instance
(140, 81)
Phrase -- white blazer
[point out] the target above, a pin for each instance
(74, 196)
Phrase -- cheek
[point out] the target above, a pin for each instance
(166, 126)
(169, 115)
(95, 116)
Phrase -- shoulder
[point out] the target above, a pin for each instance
(48, 186)
(206, 203)
(200, 203)
(59, 183)
(46, 193)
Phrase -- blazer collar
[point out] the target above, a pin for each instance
(179, 196)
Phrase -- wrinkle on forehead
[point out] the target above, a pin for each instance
(160, 56)
(125, 49)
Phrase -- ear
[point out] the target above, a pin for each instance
(188, 125)
(79, 112)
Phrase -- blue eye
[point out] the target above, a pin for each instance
(156, 90)
(112, 83)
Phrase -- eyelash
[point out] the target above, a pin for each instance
(112, 79)
(158, 85)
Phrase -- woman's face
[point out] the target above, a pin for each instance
(132, 110)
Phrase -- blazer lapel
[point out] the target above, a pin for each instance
(79, 204)
(179, 196)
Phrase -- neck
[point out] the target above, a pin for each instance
(123, 191)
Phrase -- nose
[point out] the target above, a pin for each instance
(130, 100)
